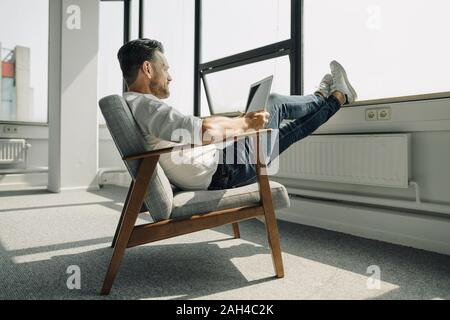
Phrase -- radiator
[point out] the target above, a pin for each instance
(13, 152)
(377, 160)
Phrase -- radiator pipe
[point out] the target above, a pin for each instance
(107, 170)
(416, 189)
(403, 204)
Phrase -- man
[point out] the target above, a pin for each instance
(145, 70)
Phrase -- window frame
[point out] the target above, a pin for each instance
(295, 50)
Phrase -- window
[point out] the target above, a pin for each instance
(229, 89)
(389, 48)
(172, 23)
(233, 26)
(110, 40)
(24, 60)
(252, 40)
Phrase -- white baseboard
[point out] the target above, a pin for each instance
(82, 188)
(12, 182)
(23, 181)
(419, 231)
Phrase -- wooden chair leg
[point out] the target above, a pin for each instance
(145, 172)
(274, 241)
(269, 214)
(237, 234)
(125, 205)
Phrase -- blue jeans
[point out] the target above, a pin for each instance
(236, 169)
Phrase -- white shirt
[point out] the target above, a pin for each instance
(160, 124)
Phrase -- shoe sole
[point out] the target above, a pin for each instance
(352, 90)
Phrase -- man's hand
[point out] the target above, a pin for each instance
(257, 120)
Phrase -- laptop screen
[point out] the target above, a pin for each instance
(259, 94)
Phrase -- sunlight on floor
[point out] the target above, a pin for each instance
(305, 278)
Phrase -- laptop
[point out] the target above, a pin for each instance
(259, 94)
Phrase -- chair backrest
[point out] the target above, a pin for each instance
(129, 140)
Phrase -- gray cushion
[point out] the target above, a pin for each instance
(129, 140)
(187, 203)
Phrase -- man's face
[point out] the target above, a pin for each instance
(160, 80)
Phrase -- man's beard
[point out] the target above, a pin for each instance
(159, 90)
(164, 93)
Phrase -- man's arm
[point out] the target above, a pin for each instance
(220, 128)
(164, 122)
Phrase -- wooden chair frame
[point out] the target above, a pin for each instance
(128, 235)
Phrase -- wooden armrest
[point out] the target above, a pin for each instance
(158, 152)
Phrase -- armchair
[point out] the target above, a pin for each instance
(181, 212)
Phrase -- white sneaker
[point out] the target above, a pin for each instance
(341, 83)
(325, 85)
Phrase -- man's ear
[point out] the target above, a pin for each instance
(147, 69)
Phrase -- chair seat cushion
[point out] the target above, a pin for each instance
(188, 203)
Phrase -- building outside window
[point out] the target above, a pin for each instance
(24, 64)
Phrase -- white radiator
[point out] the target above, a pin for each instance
(13, 152)
(378, 160)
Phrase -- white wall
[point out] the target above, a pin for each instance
(429, 123)
(430, 168)
(425, 228)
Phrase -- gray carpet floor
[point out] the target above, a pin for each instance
(43, 234)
